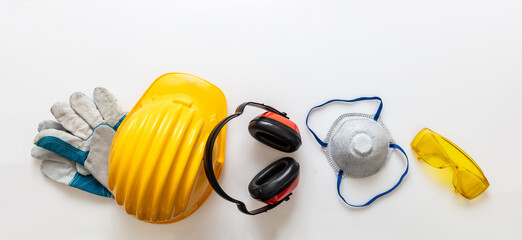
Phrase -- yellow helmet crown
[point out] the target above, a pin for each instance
(155, 164)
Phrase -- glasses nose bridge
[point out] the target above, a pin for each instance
(448, 163)
(451, 164)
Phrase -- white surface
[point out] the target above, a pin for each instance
(453, 66)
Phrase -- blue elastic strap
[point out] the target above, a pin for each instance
(377, 114)
(89, 184)
(67, 150)
(340, 177)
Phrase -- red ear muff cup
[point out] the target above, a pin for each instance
(275, 181)
(275, 134)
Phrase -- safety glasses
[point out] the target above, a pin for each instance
(439, 152)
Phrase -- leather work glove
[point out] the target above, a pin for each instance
(78, 145)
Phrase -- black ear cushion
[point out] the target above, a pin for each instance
(274, 134)
(273, 179)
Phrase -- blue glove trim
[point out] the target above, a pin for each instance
(63, 148)
(117, 125)
(67, 150)
(340, 177)
(89, 184)
(376, 117)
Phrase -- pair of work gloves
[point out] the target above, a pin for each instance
(75, 148)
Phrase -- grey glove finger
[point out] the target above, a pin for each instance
(59, 171)
(50, 124)
(54, 166)
(64, 171)
(82, 170)
(44, 154)
(65, 137)
(108, 106)
(98, 159)
(70, 120)
(86, 109)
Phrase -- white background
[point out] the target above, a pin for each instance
(454, 66)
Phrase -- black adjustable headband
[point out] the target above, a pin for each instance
(207, 159)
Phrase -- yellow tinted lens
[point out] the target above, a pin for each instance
(470, 185)
(440, 152)
(427, 148)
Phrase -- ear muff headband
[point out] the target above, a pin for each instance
(207, 160)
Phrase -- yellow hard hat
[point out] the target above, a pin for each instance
(155, 164)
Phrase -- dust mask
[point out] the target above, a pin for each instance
(358, 145)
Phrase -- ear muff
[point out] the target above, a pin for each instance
(275, 131)
(276, 181)
(274, 184)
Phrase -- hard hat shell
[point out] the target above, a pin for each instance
(155, 164)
